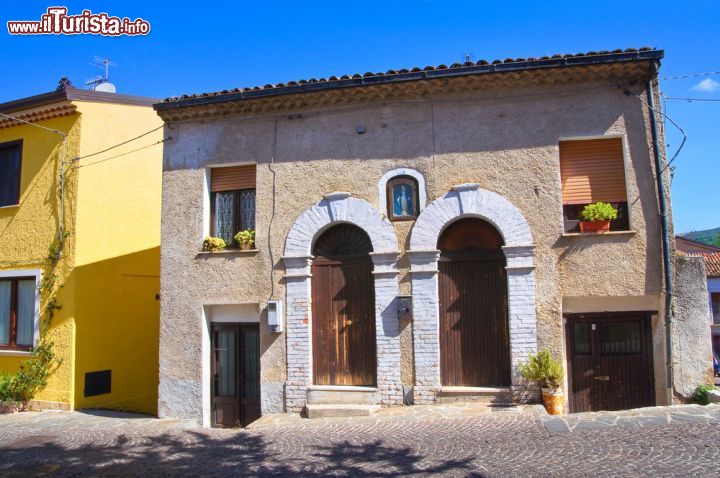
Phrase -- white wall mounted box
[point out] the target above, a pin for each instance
(275, 315)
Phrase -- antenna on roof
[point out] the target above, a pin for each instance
(100, 83)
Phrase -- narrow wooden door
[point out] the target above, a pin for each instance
(472, 293)
(474, 336)
(235, 375)
(610, 362)
(343, 308)
(343, 322)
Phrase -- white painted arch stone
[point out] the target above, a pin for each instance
(469, 200)
(338, 208)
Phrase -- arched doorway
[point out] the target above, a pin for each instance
(472, 293)
(343, 308)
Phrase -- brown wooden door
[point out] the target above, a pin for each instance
(610, 362)
(343, 308)
(472, 293)
(235, 375)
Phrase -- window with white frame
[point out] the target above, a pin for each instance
(18, 311)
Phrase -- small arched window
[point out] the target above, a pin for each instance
(402, 198)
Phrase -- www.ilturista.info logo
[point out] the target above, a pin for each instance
(57, 22)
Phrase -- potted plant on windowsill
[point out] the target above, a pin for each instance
(213, 244)
(596, 217)
(246, 239)
(548, 372)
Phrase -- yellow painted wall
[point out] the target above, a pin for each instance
(117, 263)
(27, 231)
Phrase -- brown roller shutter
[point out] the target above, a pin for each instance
(592, 170)
(232, 178)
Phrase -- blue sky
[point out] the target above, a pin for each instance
(208, 46)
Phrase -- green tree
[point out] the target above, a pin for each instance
(717, 240)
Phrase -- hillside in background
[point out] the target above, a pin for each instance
(707, 236)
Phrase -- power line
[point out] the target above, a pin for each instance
(692, 75)
(682, 143)
(119, 144)
(691, 99)
(121, 154)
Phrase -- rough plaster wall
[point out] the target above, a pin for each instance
(505, 141)
(691, 334)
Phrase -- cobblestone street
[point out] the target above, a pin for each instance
(663, 441)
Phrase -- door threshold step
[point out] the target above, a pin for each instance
(474, 390)
(493, 396)
(341, 410)
(342, 388)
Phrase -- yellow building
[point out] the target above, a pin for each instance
(80, 192)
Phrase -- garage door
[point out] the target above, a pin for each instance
(610, 364)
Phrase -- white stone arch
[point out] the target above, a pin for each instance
(382, 187)
(469, 200)
(337, 208)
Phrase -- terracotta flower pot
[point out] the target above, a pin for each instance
(246, 246)
(554, 400)
(594, 226)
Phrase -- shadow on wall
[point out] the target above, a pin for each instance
(117, 328)
(195, 453)
(396, 130)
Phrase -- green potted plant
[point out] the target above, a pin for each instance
(548, 372)
(596, 217)
(213, 244)
(246, 239)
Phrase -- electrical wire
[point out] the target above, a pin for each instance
(272, 215)
(120, 144)
(692, 75)
(61, 206)
(682, 143)
(690, 100)
(121, 154)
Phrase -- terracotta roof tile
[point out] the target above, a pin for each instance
(508, 64)
(712, 262)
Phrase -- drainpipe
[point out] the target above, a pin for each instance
(667, 263)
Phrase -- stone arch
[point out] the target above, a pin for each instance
(337, 208)
(469, 200)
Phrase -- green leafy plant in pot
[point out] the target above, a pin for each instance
(246, 239)
(596, 217)
(548, 372)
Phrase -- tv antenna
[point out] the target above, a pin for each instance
(97, 82)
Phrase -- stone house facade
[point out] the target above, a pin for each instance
(438, 187)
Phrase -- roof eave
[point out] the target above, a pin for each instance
(578, 61)
(74, 94)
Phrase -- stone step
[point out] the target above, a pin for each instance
(339, 410)
(492, 396)
(342, 395)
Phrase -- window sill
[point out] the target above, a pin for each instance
(231, 252)
(16, 353)
(9, 206)
(595, 234)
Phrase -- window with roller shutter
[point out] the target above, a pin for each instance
(593, 170)
(232, 201)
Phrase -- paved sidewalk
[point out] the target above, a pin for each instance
(663, 441)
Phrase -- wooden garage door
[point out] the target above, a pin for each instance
(472, 293)
(343, 305)
(610, 362)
